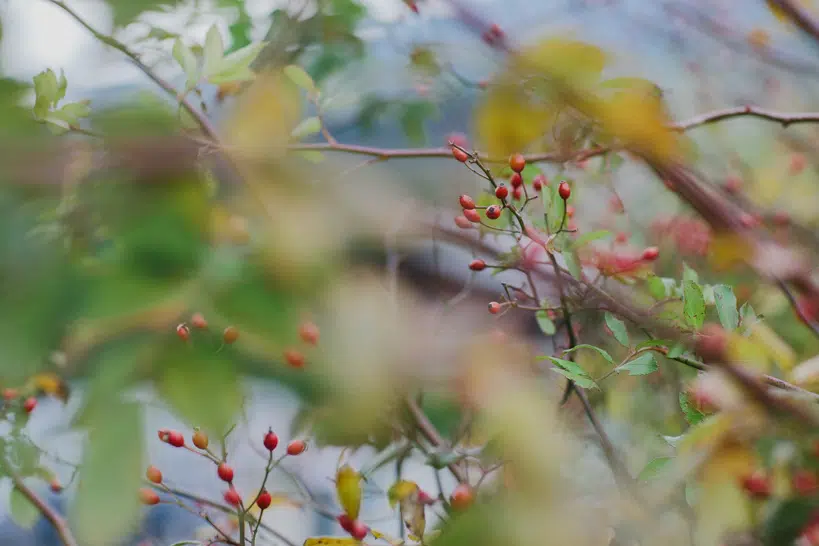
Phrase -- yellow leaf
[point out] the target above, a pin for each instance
(774, 346)
(781, 15)
(747, 352)
(707, 433)
(728, 250)
(414, 515)
(508, 121)
(401, 490)
(386, 538)
(806, 374)
(348, 488)
(50, 384)
(570, 60)
(265, 114)
(759, 38)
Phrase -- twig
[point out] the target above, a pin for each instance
(785, 119)
(57, 521)
(431, 434)
(798, 308)
(799, 16)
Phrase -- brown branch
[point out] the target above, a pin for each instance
(799, 16)
(57, 521)
(715, 116)
(428, 430)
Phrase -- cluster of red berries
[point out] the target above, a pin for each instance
(10, 395)
(309, 333)
(759, 484)
(223, 469)
(229, 336)
(493, 35)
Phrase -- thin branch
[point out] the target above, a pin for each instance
(798, 308)
(428, 430)
(715, 116)
(57, 521)
(799, 16)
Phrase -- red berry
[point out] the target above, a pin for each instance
(466, 202)
(425, 498)
(517, 162)
(358, 530)
(345, 522)
(264, 500)
(309, 333)
(29, 404)
(458, 139)
(621, 237)
(472, 215)
(153, 474)
(757, 485)
(462, 222)
(232, 497)
(230, 335)
(807, 308)
(711, 343)
(797, 164)
(294, 358)
(460, 155)
(163, 434)
(461, 497)
(183, 332)
(10, 394)
(296, 447)
(501, 192)
(494, 307)
(516, 180)
(477, 265)
(271, 440)
(539, 181)
(570, 211)
(495, 30)
(200, 439)
(148, 496)
(225, 472)
(198, 321)
(176, 439)
(651, 253)
(413, 6)
(493, 212)
(517, 193)
(55, 486)
(733, 184)
(564, 190)
(804, 482)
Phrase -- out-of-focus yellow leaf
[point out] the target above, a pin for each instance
(331, 541)
(564, 58)
(508, 121)
(50, 384)
(708, 433)
(773, 346)
(806, 374)
(415, 519)
(728, 250)
(348, 488)
(386, 538)
(638, 117)
(401, 490)
(265, 115)
(749, 353)
(781, 15)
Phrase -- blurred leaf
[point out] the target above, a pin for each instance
(47, 91)
(413, 120)
(126, 11)
(565, 59)
(788, 519)
(653, 469)
(618, 328)
(748, 317)
(547, 325)
(676, 350)
(301, 78)
(348, 489)
(656, 287)
(439, 461)
(401, 490)
(573, 264)
(307, 127)
(600, 351)
(107, 507)
(689, 274)
(331, 541)
(213, 52)
(236, 66)
(653, 343)
(23, 513)
(693, 304)
(644, 364)
(726, 303)
(203, 387)
(184, 56)
(692, 414)
(557, 209)
(587, 238)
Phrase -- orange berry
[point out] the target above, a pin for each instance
(230, 335)
(494, 307)
(309, 333)
(296, 447)
(462, 222)
(517, 162)
(472, 215)
(461, 497)
(148, 496)
(477, 265)
(493, 212)
(200, 439)
(460, 155)
(294, 358)
(153, 474)
(564, 190)
(466, 202)
(183, 332)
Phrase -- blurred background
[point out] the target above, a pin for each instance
(413, 80)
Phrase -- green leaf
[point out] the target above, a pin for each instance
(580, 380)
(692, 415)
(573, 264)
(748, 318)
(618, 328)
(301, 78)
(307, 127)
(653, 343)
(656, 287)
(203, 387)
(414, 118)
(213, 52)
(693, 304)
(547, 325)
(567, 365)
(126, 11)
(23, 513)
(556, 210)
(787, 520)
(587, 238)
(46, 89)
(186, 59)
(106, 507)
(602, 352)
(644, 364)
(653, 468)
(689, 274)
(726, 303)
(236, 66)
(676, 351)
